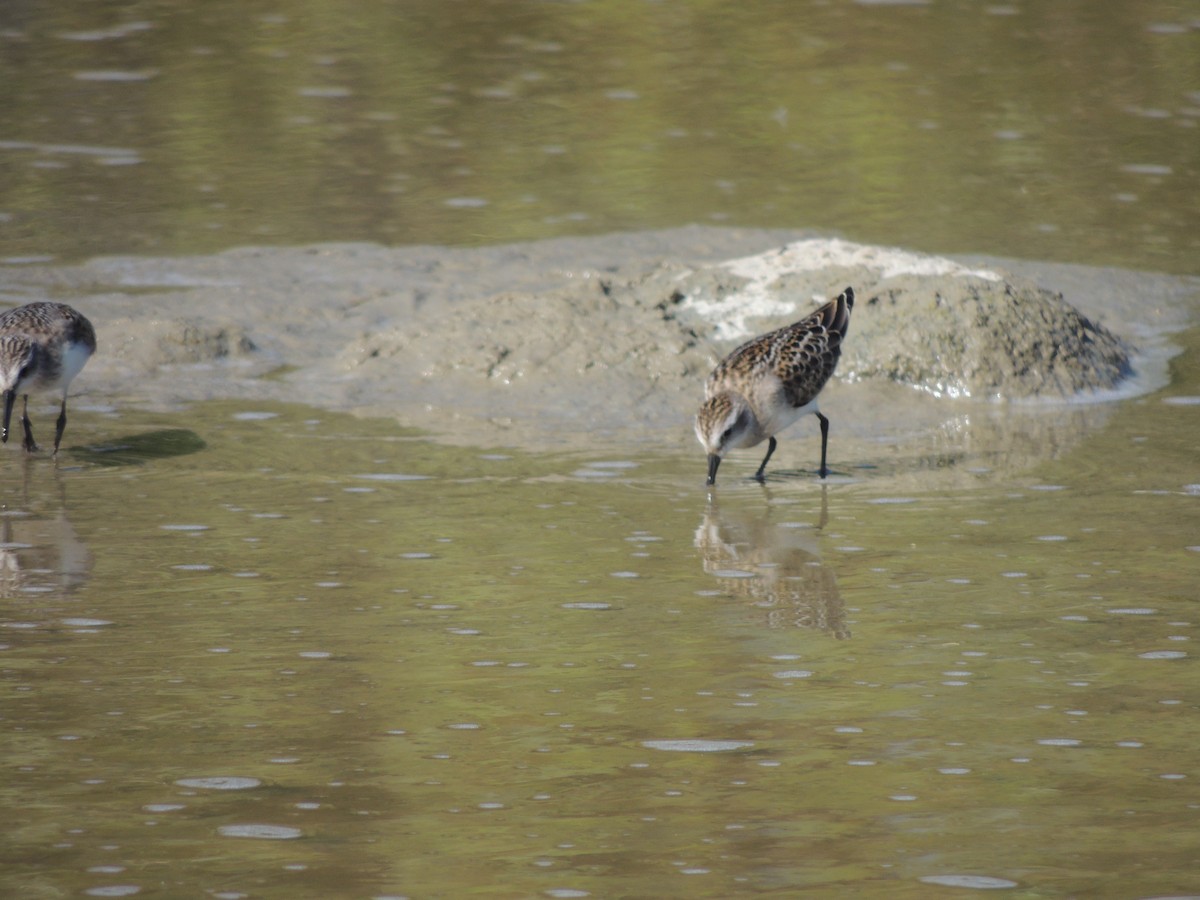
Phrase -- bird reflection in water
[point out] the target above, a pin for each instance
(774, 566)
(41, 554)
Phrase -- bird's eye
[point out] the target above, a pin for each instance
(725, 436)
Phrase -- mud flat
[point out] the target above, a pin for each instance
(605, 341)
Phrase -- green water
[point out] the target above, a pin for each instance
(444, 685)
(1059, 131)
(452, 686)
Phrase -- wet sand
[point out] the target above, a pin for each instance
(571, 343)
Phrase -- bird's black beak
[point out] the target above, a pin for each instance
(713, 462)
(9, 397)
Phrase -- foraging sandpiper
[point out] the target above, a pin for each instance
(768, 383)
(42, 347)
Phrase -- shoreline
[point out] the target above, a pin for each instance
(551, 345)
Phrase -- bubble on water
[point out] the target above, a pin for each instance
(593, 473)
(888, 501)
(1059, 742)
(624, 574)
(193, 567)
(220, 782)
(1162, 654)
(260, 831)
(1146, 169)
(182, 527)
(793, 673)
(86, 623)
(565, 893)
(115, 75)
(978, 882)
(465, 202)
(162, 807)
(587, 605)
(1182, 400)
(315, 654)
(114, 890)
(732, 573)
(698, 746)
(391, 476)
(416, 555)
(325, 92)
(1167, 28)
(1132, 611)
(1052, 537)
(955, 770)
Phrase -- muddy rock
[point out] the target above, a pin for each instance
(922, 321)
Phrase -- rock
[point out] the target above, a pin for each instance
(923, 321)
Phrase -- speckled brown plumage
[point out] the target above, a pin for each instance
(767, 383)
(43, 346)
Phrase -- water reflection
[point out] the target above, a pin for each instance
(198, 126)
(774, 565)
(40, 551)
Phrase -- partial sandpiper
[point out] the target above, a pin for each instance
(768, 383)
(42, 347)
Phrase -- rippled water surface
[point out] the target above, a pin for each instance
(274, 652)
(1064, 131)
(268, 651)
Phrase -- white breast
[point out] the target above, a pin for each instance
(73, 359)
(771, 406)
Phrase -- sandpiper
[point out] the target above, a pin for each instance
(42, 347)
(768, 383)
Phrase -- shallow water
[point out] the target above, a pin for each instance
(254, 650)
(1062, 131)
(268, 651)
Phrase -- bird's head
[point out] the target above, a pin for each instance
(724, 423)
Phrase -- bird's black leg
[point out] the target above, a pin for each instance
(759, 476)
(60, 426)
(824, 442)
(30, 446)
(9, 397)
